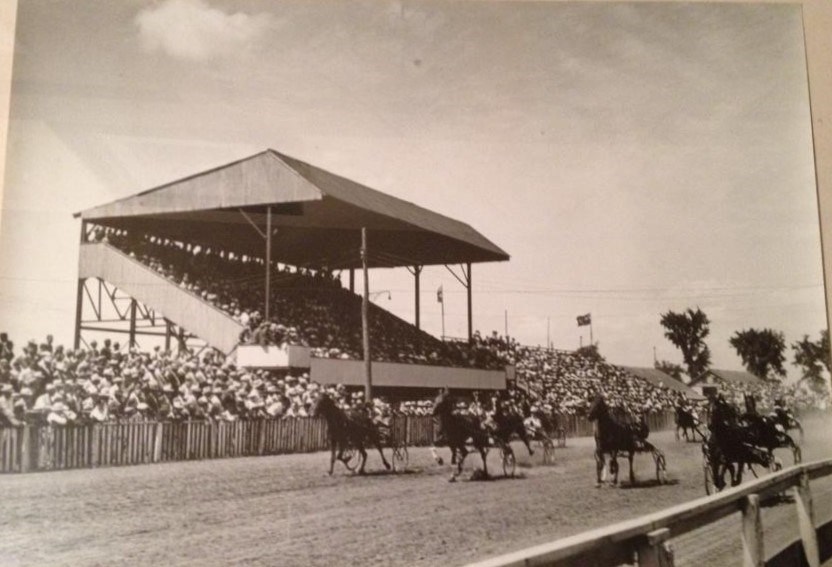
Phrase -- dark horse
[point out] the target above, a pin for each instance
(733, 444)
(455, 430)
(508, 423)
(348, 429)
(686, 420)
(613, 436)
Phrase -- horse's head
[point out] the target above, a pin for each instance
(322, 404)
(597, 408)
(443, 404)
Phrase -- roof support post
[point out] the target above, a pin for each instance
(365, 320)
(470, 315)
(132, 340)
(417, 271)
(352, 280)
(79, 297)
(268, 259)
(167, 335)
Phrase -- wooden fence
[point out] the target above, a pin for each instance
(645, 541)
(51, 447)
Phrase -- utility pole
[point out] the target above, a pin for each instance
(365, 322)
(548, 342)
(268, 260)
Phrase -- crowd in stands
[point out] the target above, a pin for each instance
(310, 307)
(108, 382)
(51, 384)
(566, 381)
(767, 395)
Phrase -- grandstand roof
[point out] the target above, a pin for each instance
(733, 376)
(659, 379)
(317, 215)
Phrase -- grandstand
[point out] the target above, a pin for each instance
(663, 380)
(246, 258)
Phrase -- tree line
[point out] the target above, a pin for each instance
(763, 351)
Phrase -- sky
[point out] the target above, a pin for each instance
(631, 158)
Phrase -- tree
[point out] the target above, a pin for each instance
(669, 368)
(687, 331)
(761, 352)
(812, 357)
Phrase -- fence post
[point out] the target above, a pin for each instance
(753, 554)
(157, 442)
(656, 551)
(806, 520)
(26, 449)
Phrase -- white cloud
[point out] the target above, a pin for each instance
(193, 30)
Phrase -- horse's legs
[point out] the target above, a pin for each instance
(484, 454)
(380, 452)
(436, 457)
(363, 452)
(632, 474)
(524, 436)
(332, 446)
(463, 452)
(614, 467)
(600, 468)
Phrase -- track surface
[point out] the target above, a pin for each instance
(286, 510)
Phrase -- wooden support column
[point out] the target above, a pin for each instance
(352, 280)
(470, 315)
(365, 320)
(268, 260)
(132, 335)
(656, 550)
(417, 271)
(753, 552)
(167, 334)
(806, 521)
(79, 297)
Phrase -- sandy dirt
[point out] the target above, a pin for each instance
(286, 510)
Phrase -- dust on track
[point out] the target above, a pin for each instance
(286, 510)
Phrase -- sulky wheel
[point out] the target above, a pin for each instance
(708, 469)
(509, 461)
(351, 458)
(548, 452)
(661, 467)
(400, 458)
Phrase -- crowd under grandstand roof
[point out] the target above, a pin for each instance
(660, 379)
(316, 217)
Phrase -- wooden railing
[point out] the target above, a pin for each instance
(645, 541)
(52, 447)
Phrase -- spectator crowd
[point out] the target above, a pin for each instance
(310, 307)
(46, 382)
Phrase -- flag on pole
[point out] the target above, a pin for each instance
(439, 297)
(584, 320)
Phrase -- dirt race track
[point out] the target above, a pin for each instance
(286, 510)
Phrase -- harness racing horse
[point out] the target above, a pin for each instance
(686, 420)
(768, 432)
(508, 423)
(347, 430)
(732, 446)
(613, 436)
(786, 418)
(455, 431)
